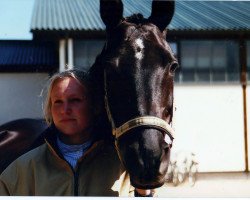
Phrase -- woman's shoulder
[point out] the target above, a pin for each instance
(33, 154)
(21, 171)
(24, 161)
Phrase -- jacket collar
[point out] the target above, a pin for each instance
(50, 137)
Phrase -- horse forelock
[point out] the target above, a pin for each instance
(136, 19)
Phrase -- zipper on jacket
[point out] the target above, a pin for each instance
(76, 183)
(74, 171)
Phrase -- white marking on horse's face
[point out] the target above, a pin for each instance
(139, 48)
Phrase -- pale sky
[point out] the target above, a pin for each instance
(15, 19)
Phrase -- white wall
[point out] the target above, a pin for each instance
(20, 95)
(248, 123)
(209, 123)
(208, 119)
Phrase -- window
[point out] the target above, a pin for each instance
(208, 61)
(173, 46)
(85, 52)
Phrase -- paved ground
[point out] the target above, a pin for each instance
(211, 185)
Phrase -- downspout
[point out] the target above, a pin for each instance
(70, 64)
(243, 80)
(62, 54)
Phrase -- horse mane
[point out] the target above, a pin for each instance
(136, 19)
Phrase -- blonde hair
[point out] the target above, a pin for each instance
(78, 75)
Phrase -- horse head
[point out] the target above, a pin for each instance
(136, 69)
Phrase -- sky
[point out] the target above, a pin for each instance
(15, 19)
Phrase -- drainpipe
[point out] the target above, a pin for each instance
(62, 53)
(243, 79)
(70, 54)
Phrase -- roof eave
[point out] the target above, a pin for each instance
(60, 34)
(208, 34)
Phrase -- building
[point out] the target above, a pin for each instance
(212, 42)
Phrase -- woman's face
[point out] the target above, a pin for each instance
(71, 110)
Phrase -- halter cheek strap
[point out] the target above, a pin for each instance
(146, 121)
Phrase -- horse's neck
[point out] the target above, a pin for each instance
(102, 126)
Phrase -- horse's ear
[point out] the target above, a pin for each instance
(162, 13)
(111, 12)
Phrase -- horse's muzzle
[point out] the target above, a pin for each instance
(145, 159)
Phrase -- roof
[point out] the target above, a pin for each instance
(27, 56)
(83, 15)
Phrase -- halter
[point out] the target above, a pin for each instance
(143, 121)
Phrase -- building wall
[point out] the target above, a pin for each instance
(209, 117)
(20, 95)
(209, 123)
(248, 123)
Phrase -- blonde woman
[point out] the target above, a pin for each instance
(71, 161)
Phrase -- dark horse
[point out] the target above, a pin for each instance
(135, 71)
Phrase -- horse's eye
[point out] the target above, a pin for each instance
(173, 66)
